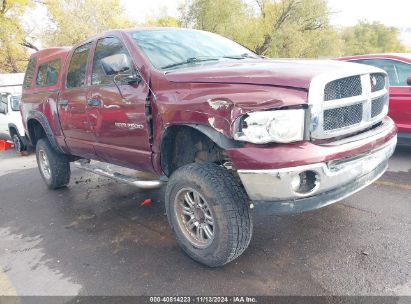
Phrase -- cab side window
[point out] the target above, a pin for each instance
(47, 73)
(76, 75)
(110, 59)
(403, 71)
(397, 71)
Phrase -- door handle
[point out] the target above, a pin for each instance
(94, 102)
(111, 107)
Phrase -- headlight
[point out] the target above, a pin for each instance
(281, 126)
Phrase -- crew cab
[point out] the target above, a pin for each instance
(227, 132)
(398, 68)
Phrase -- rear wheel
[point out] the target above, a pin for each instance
(207, 210)
(53, 165)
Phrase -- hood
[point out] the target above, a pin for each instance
(283, 73)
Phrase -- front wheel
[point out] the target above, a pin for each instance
(18, 143)
(208, 212)
(53, 165)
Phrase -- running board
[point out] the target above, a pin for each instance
(127, 179)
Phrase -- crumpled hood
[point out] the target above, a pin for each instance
(283, 73)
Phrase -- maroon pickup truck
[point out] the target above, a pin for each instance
(227, 132)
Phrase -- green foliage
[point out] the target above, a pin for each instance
(283, 28)
(166, 21)
(274, 28)
(76, 20)
(13, 55)
(225, 17)
(374, 37)
(287, 28)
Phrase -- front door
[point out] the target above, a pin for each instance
(117, 112)
(73, 108)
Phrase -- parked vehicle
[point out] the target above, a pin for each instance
(224, 129)
(398, 68)
(11, 124)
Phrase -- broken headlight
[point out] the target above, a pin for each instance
(282, 126)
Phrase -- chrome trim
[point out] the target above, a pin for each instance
(318, 105)
(320, 200)
(385, 127)
(275, 184)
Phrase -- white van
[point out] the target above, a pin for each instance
(11, 124)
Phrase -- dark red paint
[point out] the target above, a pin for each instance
(212, 95)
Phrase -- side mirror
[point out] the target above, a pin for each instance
(116, 64)
(132, 78)
(120, 67)
(409, 80)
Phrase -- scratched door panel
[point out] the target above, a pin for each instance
(120, 125)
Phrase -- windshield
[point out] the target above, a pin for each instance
(15, 102)
(178, 48)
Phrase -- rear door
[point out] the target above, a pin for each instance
(72, 105)
(400, 92)
(117, 112)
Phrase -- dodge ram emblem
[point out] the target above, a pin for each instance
(374, 81)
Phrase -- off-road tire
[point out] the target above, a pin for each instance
(59, 165)
(228, 203)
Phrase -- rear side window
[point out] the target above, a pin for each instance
(28, 77)
(48, 73)
(76, 75)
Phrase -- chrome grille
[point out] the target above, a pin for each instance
(377, 82)
(378, 104)
(343, 88)
(342, 117)
(347, 104)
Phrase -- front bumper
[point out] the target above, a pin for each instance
(271, 190)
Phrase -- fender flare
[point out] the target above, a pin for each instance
(221, 140)
(42, 119)
(13, 126)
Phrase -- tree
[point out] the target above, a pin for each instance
(278, 28)
(75, 20)
(374, 37)
(13, 41)
(165, 21)
(225, 17)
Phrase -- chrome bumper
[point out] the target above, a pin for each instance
(271, 190)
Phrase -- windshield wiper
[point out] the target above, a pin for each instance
(242, 56)
(190, 60)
